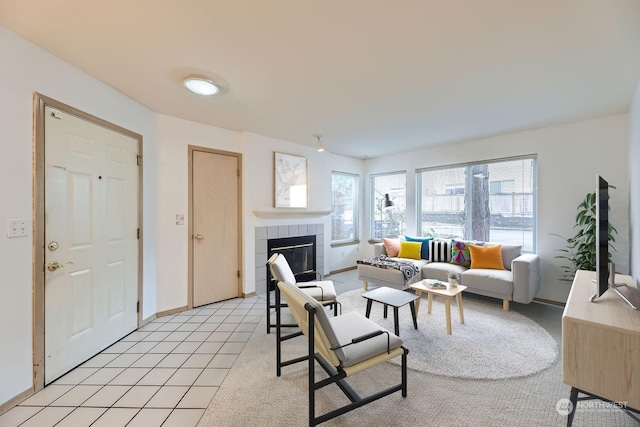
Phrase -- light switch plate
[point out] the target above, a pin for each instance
(18, 228)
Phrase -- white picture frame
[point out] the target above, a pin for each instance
(290, 181)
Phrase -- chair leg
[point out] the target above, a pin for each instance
(311, 367)
(404, 373)
(278, 333)
(268, 309)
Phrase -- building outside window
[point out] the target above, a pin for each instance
(344, 212)
(491, 201)
(388, 221)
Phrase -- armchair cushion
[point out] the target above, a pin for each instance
(322, 290)
(282, 269)
(351, 325)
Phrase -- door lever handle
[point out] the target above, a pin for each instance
(54, 265)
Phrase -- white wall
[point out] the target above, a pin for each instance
(174, 137)
(258, 186)
(634, 186)
(25, 69)
(569, 157)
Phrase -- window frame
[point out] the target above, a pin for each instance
(355, 211)
(532, 157)
(373, 210)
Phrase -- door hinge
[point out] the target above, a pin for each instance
(138, 159)
(138, 307)
(237, 172)
(238, 273)
(138, 234)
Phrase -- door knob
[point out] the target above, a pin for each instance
(54, 265)
(198, 236)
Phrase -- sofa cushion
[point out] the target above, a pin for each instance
(509, 253)
(391, 246)
(440, 250)
(496, 281)
(424, 251)
(486, 257)
(440, 270)
(410, 250)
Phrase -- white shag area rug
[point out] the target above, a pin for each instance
(491, 344)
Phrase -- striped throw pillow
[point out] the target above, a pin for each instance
(440, 250)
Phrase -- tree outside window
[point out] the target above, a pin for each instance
(491, 201)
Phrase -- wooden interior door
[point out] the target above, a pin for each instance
(91, 243)
(216, 237)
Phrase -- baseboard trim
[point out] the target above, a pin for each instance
(550, 302)
(172, 311)
(4, 407)
(249, 294)
(148, 320)
(342, 270)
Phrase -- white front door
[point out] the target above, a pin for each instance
(91, 242)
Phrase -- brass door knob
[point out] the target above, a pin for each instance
(198, 236)
(54, 265)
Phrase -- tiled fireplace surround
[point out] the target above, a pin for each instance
(279, 231)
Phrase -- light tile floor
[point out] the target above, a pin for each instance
(163, 374)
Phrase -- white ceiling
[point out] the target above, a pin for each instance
(374, 77)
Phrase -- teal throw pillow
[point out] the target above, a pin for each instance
(424, 252)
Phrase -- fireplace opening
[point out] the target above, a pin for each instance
(300, 253)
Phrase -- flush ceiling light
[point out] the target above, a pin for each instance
(201, 86)
(319, 145)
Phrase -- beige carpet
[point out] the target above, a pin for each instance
(491, 344)
(252, 395)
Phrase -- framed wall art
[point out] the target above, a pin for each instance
(291, 180)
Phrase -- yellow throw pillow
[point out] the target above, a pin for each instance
(410, 249)
(489, 257)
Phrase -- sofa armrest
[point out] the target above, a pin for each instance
(526, 277)
(378, 249)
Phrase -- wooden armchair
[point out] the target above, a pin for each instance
(343, 346)
(320, 290)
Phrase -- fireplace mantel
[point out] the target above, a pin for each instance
(289, 213)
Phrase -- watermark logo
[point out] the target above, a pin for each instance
(564, 407)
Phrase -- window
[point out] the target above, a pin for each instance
(492, 201)
(344, 201)
(388, 221)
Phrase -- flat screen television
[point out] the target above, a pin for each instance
(605, 270)
(602, 236)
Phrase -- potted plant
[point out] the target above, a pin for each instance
(581, 248)
(453, 279)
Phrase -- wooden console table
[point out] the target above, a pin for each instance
(601, 344)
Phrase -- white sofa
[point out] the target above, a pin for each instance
(519, 282)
